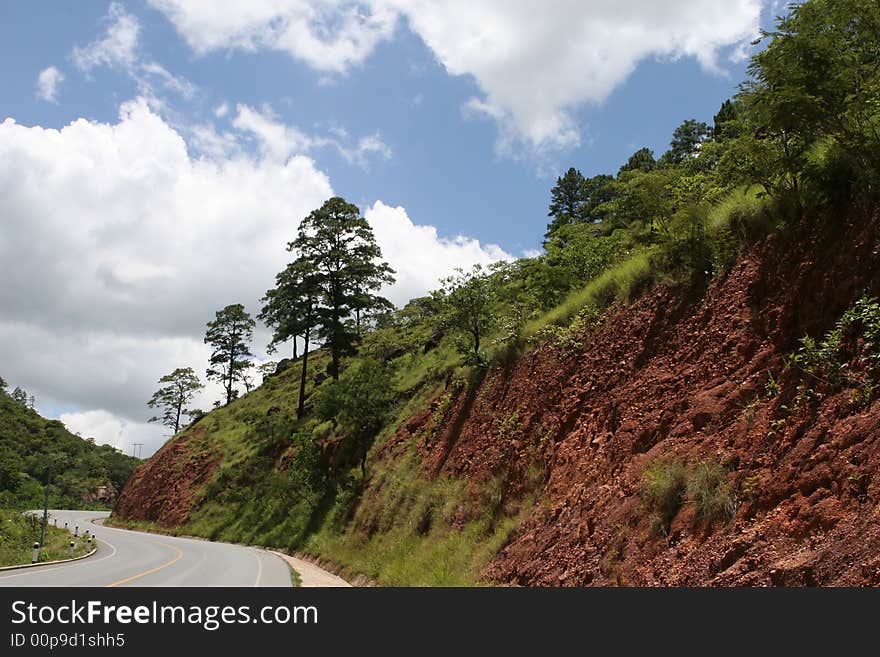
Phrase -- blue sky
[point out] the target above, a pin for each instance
(444, 168)
(185, 142)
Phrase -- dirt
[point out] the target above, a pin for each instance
(677, 378)
(163, 490)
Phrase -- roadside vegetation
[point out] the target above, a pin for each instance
(18, 533)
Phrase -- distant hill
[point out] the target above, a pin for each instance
(31, 446)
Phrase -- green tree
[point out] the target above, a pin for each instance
(19, 395)
(230, 333)
(172, 399)
(816, 88)
(566, 199)
(337, 245)
(468, 308)
(725, 122)
(641, 160)
(644, 197)
(686, 141)
(360, 404)
(575, 199)
(291, 309)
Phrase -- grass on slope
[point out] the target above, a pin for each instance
(404, 531)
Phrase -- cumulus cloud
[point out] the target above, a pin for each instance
(534, 63)
(537, 62)
(47, 84)
(330, 35)
(119, 245)
(419, 255)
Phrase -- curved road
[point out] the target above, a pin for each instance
(130, 558)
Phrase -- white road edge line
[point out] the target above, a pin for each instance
(259, 569)
(34, 571)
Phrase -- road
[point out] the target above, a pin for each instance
(130, 558)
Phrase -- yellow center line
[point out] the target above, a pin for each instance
(151, 570)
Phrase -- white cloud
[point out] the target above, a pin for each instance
(279, 141)
(276, 140)
(47, 84)
(330, 35)
(221, 110)
(178, 85)
(419, 255)
(535, 63)
(119, 245)
(108, 429)
(117, 46)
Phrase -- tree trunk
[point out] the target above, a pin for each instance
(294, 348)
(177, 419)
(300, 409)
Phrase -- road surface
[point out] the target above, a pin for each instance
(129, 558)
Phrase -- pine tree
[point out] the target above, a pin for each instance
(641, 160)
(290, 309)
(566, 200)
(183, 384)
(337, 246)
(230, 333)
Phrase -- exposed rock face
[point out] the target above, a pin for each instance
(686, 379)
(163, 488)
(105, 494)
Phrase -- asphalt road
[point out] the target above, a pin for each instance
(130, 558)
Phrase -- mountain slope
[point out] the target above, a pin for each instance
(674, 442)
(32, 446)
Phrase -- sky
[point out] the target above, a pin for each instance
(156, 156)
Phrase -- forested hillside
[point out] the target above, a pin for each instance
(681, 390)
(33, 449)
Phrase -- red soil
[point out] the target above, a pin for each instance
(163, 489)
(672, 378)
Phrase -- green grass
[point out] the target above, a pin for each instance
(710, 490)
(664, 484)
(620, 282)
(18, 534)
(414, 531)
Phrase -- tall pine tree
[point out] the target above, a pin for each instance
(290, 309)
(230, 333)
(337, 246)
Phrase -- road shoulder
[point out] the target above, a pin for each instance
(311, 575)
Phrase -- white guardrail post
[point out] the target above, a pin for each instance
(36, 556)
(72, 548)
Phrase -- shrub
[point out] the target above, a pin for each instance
(663, 487)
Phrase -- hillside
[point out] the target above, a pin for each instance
(537, 473)
(31, 446)
(682, 389)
